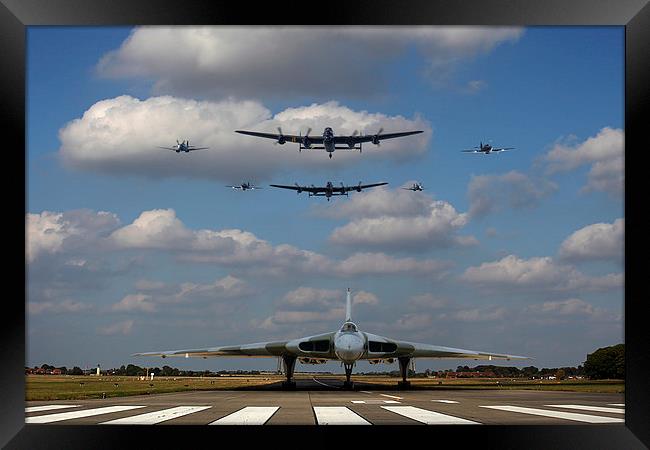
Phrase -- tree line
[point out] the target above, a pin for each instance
(604, 363)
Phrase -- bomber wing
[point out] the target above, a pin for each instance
(416, 350)
(372, 137)
(502, 149)
(361, 187)
(286, 137)
(260, 350)
(191, 149)
(312, 189)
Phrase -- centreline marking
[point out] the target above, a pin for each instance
(78, 414)
(444, 401)
(428, 417)
(590, 408)
(616, 404)
(391, 396)
(48, 407)
(338, 415)
(366, 392)
(250, 415)
(325, 384)
(558, 414)
(156, 416)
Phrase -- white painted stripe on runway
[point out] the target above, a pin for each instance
(590, 408)
(366, 392)
(616, 404)
(558, 414)
(325, 384)
(375, 402)
(428, 417)
(48, 407)
(444, 401)
(78, 414)
(391, 396)
(156, 416)
(250, 415)
(338, 415)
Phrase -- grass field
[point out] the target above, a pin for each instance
(69, 387)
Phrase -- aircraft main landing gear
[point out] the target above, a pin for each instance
(289, 363)
(403, 368)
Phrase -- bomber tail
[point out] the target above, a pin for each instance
(348, 307)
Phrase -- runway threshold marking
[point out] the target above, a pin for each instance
(48, 408)
(444, 401)
(78, 414)
(391, 396)
(590, 408)
(557, 414)
(250, 415)
(428, 417)
(154, 417)
(375, 402)
(338, 415)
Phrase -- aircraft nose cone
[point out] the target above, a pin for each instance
(348, 347)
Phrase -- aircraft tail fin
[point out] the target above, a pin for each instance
(348, 307)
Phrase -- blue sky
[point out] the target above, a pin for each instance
(516, 278)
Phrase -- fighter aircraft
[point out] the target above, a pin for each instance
(348, 345)
(329, 189)
(328, 141)
(415, 187)
(487, 149)
(245, 186)
(184, 146)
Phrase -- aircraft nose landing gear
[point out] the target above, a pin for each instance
(330, 156)
(347, 384)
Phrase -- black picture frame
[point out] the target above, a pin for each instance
(634, 15)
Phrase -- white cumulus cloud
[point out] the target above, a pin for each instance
(120, 136)
(599, 241)
(289, 61)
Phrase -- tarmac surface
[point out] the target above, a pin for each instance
(323, 401)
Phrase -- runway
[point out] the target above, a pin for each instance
(322, 401)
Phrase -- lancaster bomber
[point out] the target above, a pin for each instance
(329, 189)
(348, 345)
(328, 141)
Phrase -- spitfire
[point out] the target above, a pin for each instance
(329, 190)
(245, 186)
(328, 141)
(486, 149)
(347, 344)
(414, 187)
(183, 146)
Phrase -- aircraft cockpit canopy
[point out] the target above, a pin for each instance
(349, 326)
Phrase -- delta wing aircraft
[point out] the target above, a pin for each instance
(415, 187)
(184, 146)
(329, 190)
(328, 141)
(348, 345)
(245, 186)
(486, 149)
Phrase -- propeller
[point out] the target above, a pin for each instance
(299, 188)
(359, 187)
(305, 139)
(280, 140)
(375, 138)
